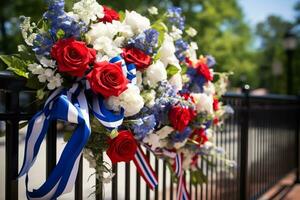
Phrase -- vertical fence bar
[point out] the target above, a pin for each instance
(114, 185)
(157, 174)
(147, 188)
(164, 181)
(298, 141)
(12, 146)
(244, 144)
(51, 147)
(127, 181)
(78, 183)
(138, 186)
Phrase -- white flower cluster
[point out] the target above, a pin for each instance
(137, 22)
(88, 10)
(27, 30)
(107, 38)
(46, 75)
(204, 102)
(155, 73)
(130, 100)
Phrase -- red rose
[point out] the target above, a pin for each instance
(137, 57)
(109, 15)
(216, 104)
(180, 117)
(203, 70)
(216, 121)
(122, 148)
(199, 136)
(73, 57)
(107, 79)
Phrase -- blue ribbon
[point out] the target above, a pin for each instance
(71, 106)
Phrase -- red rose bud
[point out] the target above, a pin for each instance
(202, 69)
(73, 57)
(107, 79)
(180, 117)
(199, 136)
(137, 57)
(109, 15)
(216, 104)
(122, 148)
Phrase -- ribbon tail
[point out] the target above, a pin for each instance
(144, 168)
(182, 193)
(66, 106)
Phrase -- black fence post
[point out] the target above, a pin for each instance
(244, 120)
(298, 142)
(12, 146)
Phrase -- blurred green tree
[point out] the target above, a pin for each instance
(271, 56)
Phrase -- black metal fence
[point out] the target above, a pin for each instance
(262, 136)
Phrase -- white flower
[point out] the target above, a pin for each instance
(36, 68)
(47, 75)
(176, 82)
(54, 82)
(164, 131)
(137, 22)
(153, 10)
(47, 62)
(167, 52)
(209, 88)
(27, 30)
(130, 100)
(192, 51)
(191, 31)
(204, 102)
(105, 45)
(155, 73)
(88, 10)
(153, 140)
(176, 33)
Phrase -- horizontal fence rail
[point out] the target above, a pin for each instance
(262, 136)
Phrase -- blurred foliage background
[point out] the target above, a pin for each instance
(222, 32)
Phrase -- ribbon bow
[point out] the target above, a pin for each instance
(71, 105)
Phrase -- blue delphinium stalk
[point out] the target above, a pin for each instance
(181, 46)
(196, 82)
(58, 20)
(145, 41)
(143, 126)
(176, 18)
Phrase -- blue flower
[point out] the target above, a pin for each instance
(210, 61)
(145, 41)
(196, 82)
(181, 136)
(58, 20)
(143, 126)
(181, 46)
(175, 17)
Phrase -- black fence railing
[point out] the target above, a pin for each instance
(262, 136)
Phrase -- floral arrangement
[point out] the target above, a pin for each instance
(126, 83)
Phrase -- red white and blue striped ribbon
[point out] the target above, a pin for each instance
(144, 168)
(182, 193)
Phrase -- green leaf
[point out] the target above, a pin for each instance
(157, 57)
(15, 64)
(60, 34)
(183, 69)
(161, 29)
(198, 177)
(25, 53)
(172, 70)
